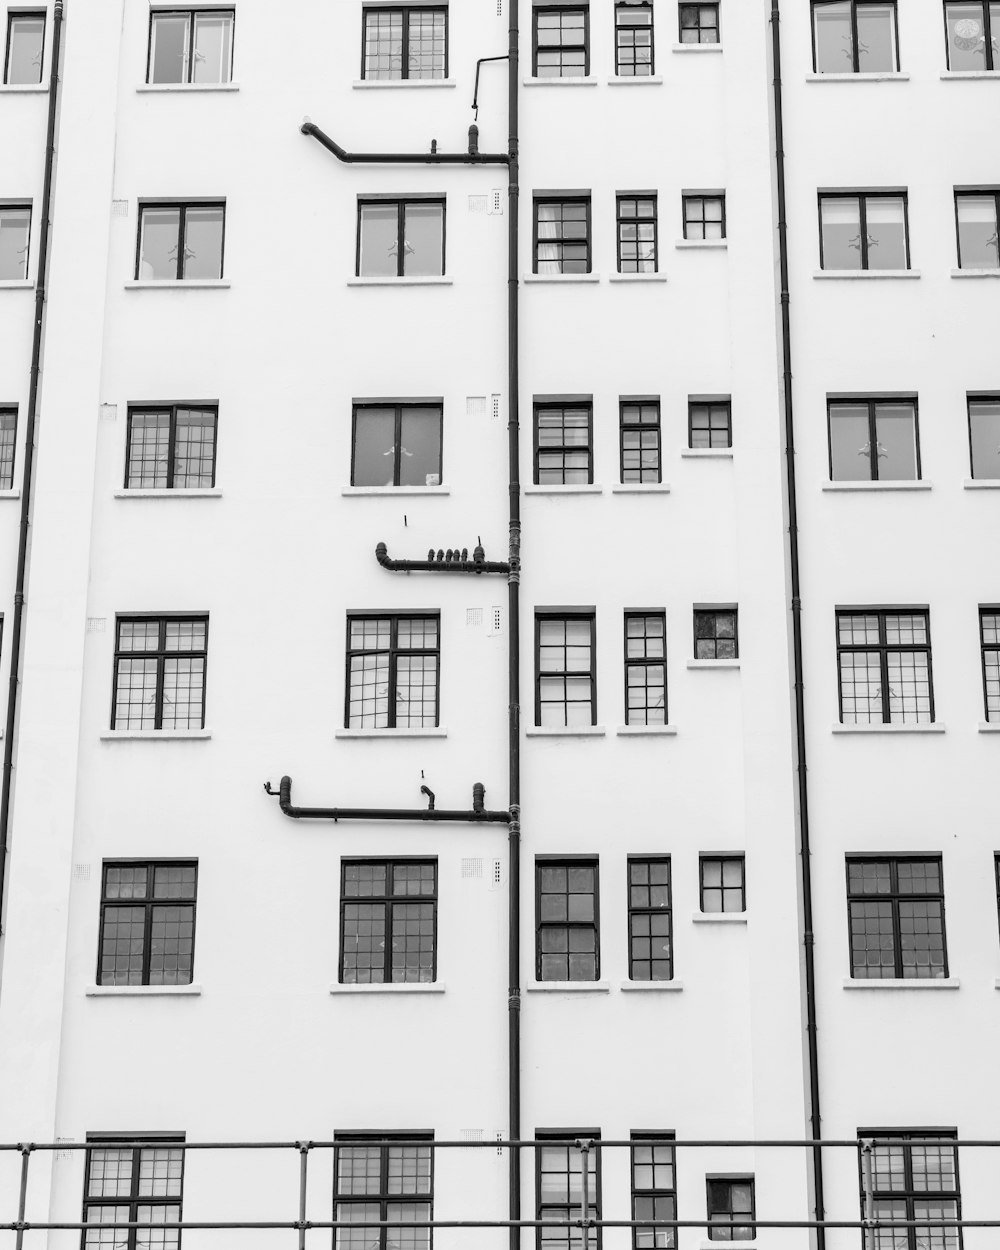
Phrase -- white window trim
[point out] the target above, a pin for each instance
(402, 987)
(901, 983)
(143, 991)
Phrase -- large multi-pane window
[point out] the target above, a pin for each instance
(180, 242)
(704, 216)
(561, 41)
(565, 669)
(715, 634)
(190, 46)
(559, 1171)
(645, 668)
(634, 38)
(564, 451)
(400, 238)
(884, 662)
(640, 440)
(650, 919)
(406, 42)
(562, 235)
(568, 928)
(654, 1190)
(15, 234)
(388, 921)
(396, 445)
(139, 1184)
(25, 49)
(863, 231)
(984, 435)
(147, 923)
(972, 32)
(989, 636)
(873, 440)
(160, 672)
(710, 424)
(730, 1202)
(8, 435)
(699, 23)
(637, 234)
(376, 1181)
(914, 1177)
(392, 672)
(854, 36)
(723, 884)
(895, 912)
(976, 214)
(171, 447)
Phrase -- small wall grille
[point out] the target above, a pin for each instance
(472, 868)
(498, 874)
(81, 872)
(119, 208)
(496, 407)
(477, 203)
(475, 405)
(108, 412)
(473, 616)
(496, 620)
(496, 202)
(96, 624)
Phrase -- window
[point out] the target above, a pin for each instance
(562, 236)
(376, 1181)
(650, 925)
(388, 921)
(637, 234)
(863, 232)
(723, 883)
(180, 242)
(976, 214)
(559, 1186)
(8, 433)
(654, 1190)
(972, 28)
(191, 46)
(171, 448)
(142, 1184)
(984, 436)
(562, 42)
(895, 911)
(699, 23)
(854, 36)
(640, 438)
(396, 445)
(405, 43)
(564, 452)
(565, 669)
(989, 634)
(710, 424)
(15, 232)
(568, 936)
(160, 672)
(147, 923)
(873, 440)
(715, 634)
(25, 48)
(704, 216)
(645, 668)
(392, 672)
(634, 38)
(884, 659)
(400, 238)
(913, 1182)
(730, 1201)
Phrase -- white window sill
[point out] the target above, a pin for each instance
(565, 731)
(989, 727)
(901, 983)
(703, 245)
(571, 488)
(200, 492)
(714, 1245)
(16, 494)
(854, 275)
(975, 273)
(386, 735)
(882, 76)
(922, 484)
(982, 483)
(647, 80)
(641, 488)
(996, 984)
(560, 277)
(637, 277)
(719, 917)
(646, 731)
(179, 284)
(17, 284)
(408, 987)
(713, 663)
(579, 80)
(707, 453)
(568, 987)
(696, 47)
(143, 991)
(395, 490)
(15, 88)
(651, 987)
(970, 73)
(154, 735)
(429, 280)
(921, 727)
(186, 86)
(401, 84)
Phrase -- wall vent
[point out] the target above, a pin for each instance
(498, 874)
(108, 412)
(496, 407)
(499, 8)
(496, 621)
(473, 616)
(119, 208)
(471, 1134)
(472, 868)
(475, 405)
(81, 872)
(477, 203)
(496, 202)
(96, 624)
(499, 1136)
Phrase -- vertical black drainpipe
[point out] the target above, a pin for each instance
(29, 450)
(793, 553)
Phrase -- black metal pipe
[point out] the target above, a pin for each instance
(483, 60)
(452, 561)
(401, 158)
(808, 939)
(474, 816)
(29, 451)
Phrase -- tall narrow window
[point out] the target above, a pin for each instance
(972, 31)
(650, 925)
(562, 236)
(637, 234)
(405, 43)
(396, 445)
(171, 448)
(873, 440)
(863, 232)
(884, 659)
(561, 41)
(15, 232)
(376, 1181)
(895, 911)
(710, 424)
(645, 668)
(559, 1172)
(180, 242)
(565, 670)
(854, 36)
(704, 216)
(193, 46)
(654, 1190)
(976, 216)
(400, 238)
(147, 923)
(634, 38)
(984, 436)
(568, 933)
(160, 672)
(128, 1183)
(564, 453)
(25, 49)
(640, 440)
(8, 435)
(730, 1202)
(388, 921)
(913, 1182)
(392, 672)
(699, 23)
(989, 635)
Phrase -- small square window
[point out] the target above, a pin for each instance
(396, 445)
(730, 1202)
(388, 921)
(972, 29)
(147, 923)
(710, 424)
(565, 670)
(25, 49)
(400, 238)
(191, 46)
(568, 934)
(8, 436)
(405, 43)
(180, 242)
(873, 440)
(976, 214)
(561, 42)
(863, 232)
(160, 672)
(640, 440)
(645, 668)
(704, 216)
(854, 36)
(884, 661)
(637, 234)
(723, 883)
(171, 448)
(392, 672)
(562, 236)
(634, 38)
(895, 913)
(650, 920)
(564, 442)
(984, 436)
(699, 23)
(15, 233)
(989, 638)
(715, 634)
(654, 1190)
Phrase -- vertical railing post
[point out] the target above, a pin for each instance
(304, 1148)
(867, 1150)
(584, 1147)
(22, 1199)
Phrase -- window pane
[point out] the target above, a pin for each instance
(876, 37)
(420, 447)
(158, 243)
(886, 233)
(122, 943)
(840, 219)
(194, 450)
(110, 1173)
(148, 450)
(203, 243)
(423, 233)
(966, 38)
(383, 44)
(15, 225)
(135, 694)
(171, 944)
(977, 232)
(183, 692)
(213, 47)
(984, 429)
(850, 444)
(427, 44)
(25, 46)
(832, 33)
(169, 34)
(896, 442)
(379, 240)
(374, 448)
(160, 1171)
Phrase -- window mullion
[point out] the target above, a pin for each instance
(872, 427)
(863, 220)
(161, 666)
(171, 441)
(404, 68)
(988, 34)
(397, 455)
(393, 650)
(400, 238)
(181, 231)
(855, 52)
(390, 919)
(883, 659)
(147, 926)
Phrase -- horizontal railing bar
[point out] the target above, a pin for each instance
(888, 1225)
(497, 1144)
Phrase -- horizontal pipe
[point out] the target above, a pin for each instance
(402, 158)
(443, 565)
(472, 817)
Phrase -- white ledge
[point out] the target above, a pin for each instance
(402, 987)
(560, 277)
(154, 735)
(714, 1245)
(651, 987)
(16, 494)
(975, 273)
(989, 727)
(385, 735)
(143, 991)
(395, 491)
(568, 987)
(179, 284)
(982, 483)
(648, 80)
(17, 284)
(881, 76)
(901, 983)
(719, 917)
(646, 731)
(405, 84)
(184, 492)
(570, 488)
(641, 488)
(430, 280)
(696, 47)
(996, 984)
(637, 277)
(852, 275)
(579, 80)
(33, 88)
(970, 73)
(565, 731)
(186, 86)
(703, 245)
(713, 663)
(921, 484)
(919, 727)
(707, 453)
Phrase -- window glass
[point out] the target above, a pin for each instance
(633, 39)
(8, 432)
(876, 38)
(561, 43)
(850, 445)
(194, 450)
(562, 232)
(158, 243)
(15, 226)
(169, 36)
(379, 235)
(25, 46)
(966, 36)
(984, 432)
(895, 435)
(423, 234)
(833, 38)
(840, 221)
(426, 32)
(886, 221)
(203, 243)
(977, 232)
(213, 47)
(699, 23)
(420, 447)
(374, 447)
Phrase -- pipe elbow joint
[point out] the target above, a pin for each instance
(382, 555)
(478, 798)
(285, 796)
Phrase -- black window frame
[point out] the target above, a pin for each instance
(402, 202)
(716, 637)
(706, 858)
(7, 412)
(627, 426)
(855, 57)
(894, 897)
(688, 197)
(885, 1138)
(637, 198)
(697, 406)
(982, 193)
(990, 654)
(569, 862)
(394, 619)
(991, 57)
(385, 1197)
(565, 615)
(874, 402)
(566, 1138)
(884, 648)
(182, 207)
(969, 401)
(648, 909)
(645, 6)
(862, 198)
(399, 407)
(562, 405)
(536, 10)
(149, 904)
(21, 207)
(171, 410)
(180, 11)
(562, 200)
(714, 1227)
(14, 15)
(161, 655)
(653, 1140)
(405, 11)
(996, 875)
(645, 662)
(101, 1142)
(389, 900)
(717, 28)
